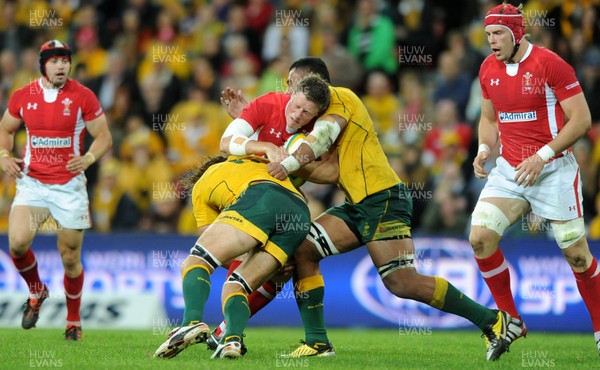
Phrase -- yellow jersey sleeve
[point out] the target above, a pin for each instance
(364, 168)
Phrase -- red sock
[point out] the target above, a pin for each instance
(262, 296)
(588, 283)
(27, 267)
(497, 277)
(73, 289)
(232, 266)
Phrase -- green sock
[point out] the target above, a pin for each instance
(309, 298)
(449, 299)
(237, 313)
(196, 288)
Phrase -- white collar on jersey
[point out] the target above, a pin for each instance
(50, 95)
(513, 68)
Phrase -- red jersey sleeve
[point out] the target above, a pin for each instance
(561, 78)
(482, 72)
(14, 103)
(90, 107)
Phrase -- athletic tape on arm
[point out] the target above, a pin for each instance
(240, 130)
(325, 133)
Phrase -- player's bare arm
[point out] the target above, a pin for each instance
(326, 130)
(488, 137)
(102, 143)
(325, 171)
(579, 122)
(234, 102)
(8, 127)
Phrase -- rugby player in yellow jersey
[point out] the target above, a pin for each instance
(377, 213)
(235, 196)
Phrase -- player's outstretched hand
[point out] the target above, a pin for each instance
(529, 170)
(11, 166)
(478, 164)
(78, 163)
(277, 171)
(234, 102)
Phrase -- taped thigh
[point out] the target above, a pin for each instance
(489, 216)
(568, 233)
(319, 237)
(201, 252)
(401, 262)
(236, 278)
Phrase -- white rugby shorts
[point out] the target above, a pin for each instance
(556, 195)
(68, 203)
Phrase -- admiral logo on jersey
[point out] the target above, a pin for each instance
(50, 142)
(506, 117)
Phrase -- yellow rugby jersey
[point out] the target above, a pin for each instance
(223, 183)
(364, 168)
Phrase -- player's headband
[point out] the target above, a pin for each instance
(509, 16)
(53, 49)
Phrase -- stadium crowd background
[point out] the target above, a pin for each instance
(158, 67)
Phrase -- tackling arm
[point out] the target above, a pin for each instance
(236, 140)
(326, 130)
(325, 171)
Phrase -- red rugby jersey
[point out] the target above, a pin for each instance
(526, 97)
(55, 125)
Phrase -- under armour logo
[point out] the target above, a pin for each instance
(495, 82)
(277, 134)
(31, 106)
(572, 208)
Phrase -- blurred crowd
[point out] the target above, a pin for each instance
(158, 67)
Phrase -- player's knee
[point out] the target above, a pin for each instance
(399, 276)
(402, 283)
(577, 260)
(307, 252)
(70, 260)
(19, 244)
(477, 239)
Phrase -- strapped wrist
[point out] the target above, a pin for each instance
(290, 164)
(90, 158)
(4, 153)
(546, 153)
(483, 148)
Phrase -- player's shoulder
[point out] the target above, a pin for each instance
(31, 88)
(342, 91)
(77, 86)
(546, 56)
(490, 63)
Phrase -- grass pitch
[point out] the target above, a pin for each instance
(356, 349)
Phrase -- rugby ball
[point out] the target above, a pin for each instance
(290, 146)
(293, 142)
